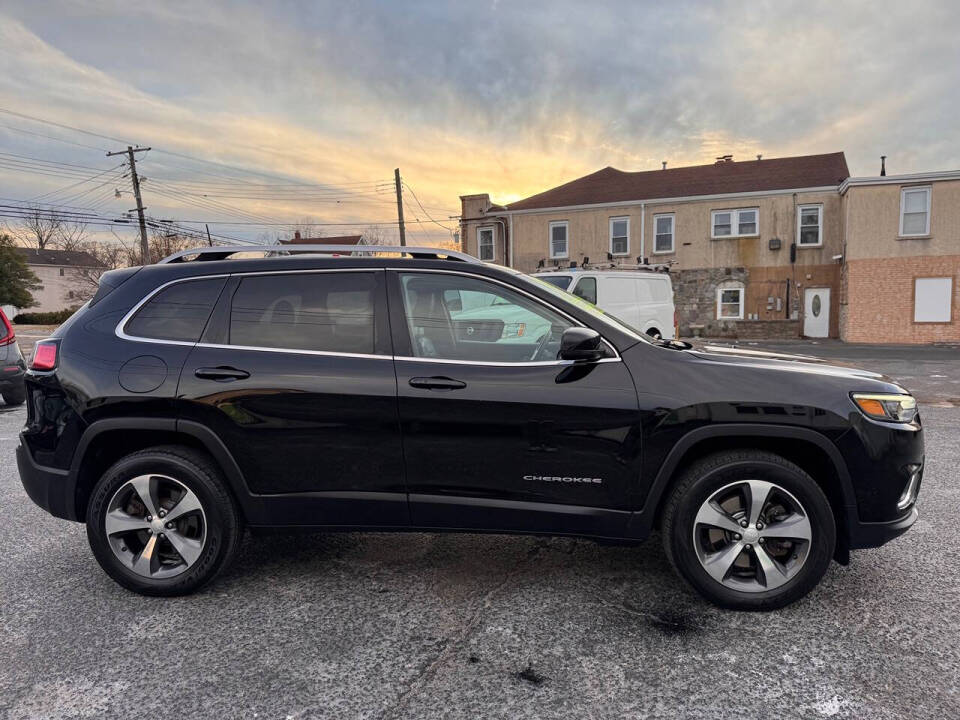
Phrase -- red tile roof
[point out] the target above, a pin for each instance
(611, 185)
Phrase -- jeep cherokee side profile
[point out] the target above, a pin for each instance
(193, 398)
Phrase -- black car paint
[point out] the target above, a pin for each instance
(348, 442)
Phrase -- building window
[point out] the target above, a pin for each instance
(914, 211)
(663, 233)
(559, 240)
(933, 300)
(61, 272)
(729, 303)
(810, 225)
(486, 244)
(735, 223)
(620, 236)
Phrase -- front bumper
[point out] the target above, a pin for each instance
(50, 488)
(875, 534)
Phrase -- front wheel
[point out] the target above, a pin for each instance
(162, 522)
(749, 530)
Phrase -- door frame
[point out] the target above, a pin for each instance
(829, 308)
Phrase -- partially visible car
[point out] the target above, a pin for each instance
(12, 366)
(642, 299)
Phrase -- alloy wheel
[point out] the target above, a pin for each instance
(752, 536)
(156, 526)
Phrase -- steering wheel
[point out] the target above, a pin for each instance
(542, 343)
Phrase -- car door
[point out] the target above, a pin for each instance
(498, 433)
(294, 374)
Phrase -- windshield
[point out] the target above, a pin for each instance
(593, 310)
(561, 281)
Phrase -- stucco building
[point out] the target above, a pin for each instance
(68, 277)
(763, 248)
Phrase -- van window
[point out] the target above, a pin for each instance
(330, 312)
(587, 289)
(178, 312)
(561, 281)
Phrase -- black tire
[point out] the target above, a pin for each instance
(15, 396)
(710, 474)
(198, 473)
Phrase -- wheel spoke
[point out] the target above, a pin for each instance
(796, 526)
(773, 574)
(147, 562)
(759, 493)
(117, 521)
(188, 548)
(144, 486)
(187, 504)
(718, 564)
(714, 516)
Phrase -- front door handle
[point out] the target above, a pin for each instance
(437, 383)
(221, 374)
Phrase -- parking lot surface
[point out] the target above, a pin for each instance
(429, 626)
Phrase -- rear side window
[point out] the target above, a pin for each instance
(329, 312)
(178, 312)
(561, 281)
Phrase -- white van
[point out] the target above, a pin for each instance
(641, 298)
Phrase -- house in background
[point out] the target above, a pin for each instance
(901, 271)
(764, 248)
(67, 277)
(746, 242)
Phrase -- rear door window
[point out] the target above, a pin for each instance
(178, 312)
(326, 312)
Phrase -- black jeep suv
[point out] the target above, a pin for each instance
(429, 391)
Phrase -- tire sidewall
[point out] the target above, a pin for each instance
(801, 486)
(218, 522)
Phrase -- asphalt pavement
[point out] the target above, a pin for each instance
(415, 625)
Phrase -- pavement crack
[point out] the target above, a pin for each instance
(449, 645)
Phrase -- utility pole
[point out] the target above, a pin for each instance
(403, 233)
(129, 152)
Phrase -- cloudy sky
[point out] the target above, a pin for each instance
(300, 110)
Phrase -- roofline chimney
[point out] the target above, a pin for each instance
(883, 166)
(664, 165)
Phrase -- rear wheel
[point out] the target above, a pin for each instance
(161, 521)
(15, 396)
(749, 530)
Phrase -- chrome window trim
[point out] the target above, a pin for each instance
(120, 332)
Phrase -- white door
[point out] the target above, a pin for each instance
(816, 312)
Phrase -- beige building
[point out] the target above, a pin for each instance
(901, 274)
(754, 247)
(67, 277)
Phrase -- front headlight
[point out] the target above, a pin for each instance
(892, 408)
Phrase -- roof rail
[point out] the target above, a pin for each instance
(223, 252)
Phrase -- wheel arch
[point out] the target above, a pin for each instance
(106, 441)
(808, 449)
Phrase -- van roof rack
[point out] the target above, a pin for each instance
(224, 252)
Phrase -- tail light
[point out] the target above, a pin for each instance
(45, 355)
(7, 335)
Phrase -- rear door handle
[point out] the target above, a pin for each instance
(437, 383)
(221, 374)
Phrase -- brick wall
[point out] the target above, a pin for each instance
(879, 296)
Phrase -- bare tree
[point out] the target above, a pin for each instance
(165, 240)
(72, 235)
(86, 280)
(374, 235)
(38, 227)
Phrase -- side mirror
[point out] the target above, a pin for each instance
(581, 344)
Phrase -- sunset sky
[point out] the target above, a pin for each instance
(313, 104)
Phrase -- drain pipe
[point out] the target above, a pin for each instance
(510, 245)
(643, 217)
